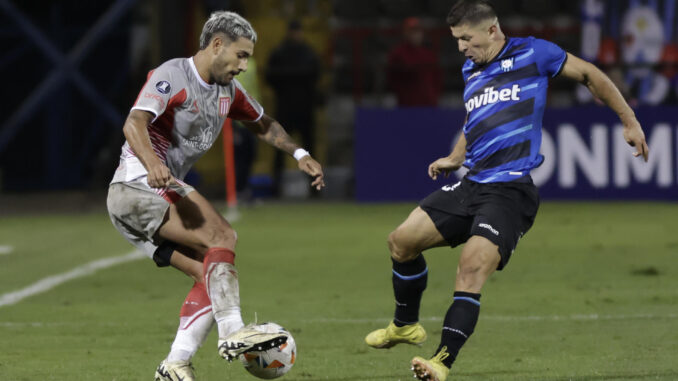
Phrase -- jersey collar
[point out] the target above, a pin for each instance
(197, 75)
(501, 52)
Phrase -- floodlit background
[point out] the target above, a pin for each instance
(590, 293)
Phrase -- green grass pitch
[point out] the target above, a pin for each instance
(591, 293)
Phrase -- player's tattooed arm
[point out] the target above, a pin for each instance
(270, 131)
(602, 87)
(136, 133)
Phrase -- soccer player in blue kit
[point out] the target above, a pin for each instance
(495, 204)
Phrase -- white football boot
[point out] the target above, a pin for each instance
(247, 339)
(174, 371)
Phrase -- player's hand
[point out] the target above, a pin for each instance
(634, 135)
(159, 176)
(444, 165)
(313, 168)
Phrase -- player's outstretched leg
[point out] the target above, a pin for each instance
(410, 275)
(195, 323)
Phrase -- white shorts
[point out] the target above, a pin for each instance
(138, 211)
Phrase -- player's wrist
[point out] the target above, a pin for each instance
(627, 116)
(300, 153)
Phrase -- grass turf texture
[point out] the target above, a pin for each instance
(590, 294)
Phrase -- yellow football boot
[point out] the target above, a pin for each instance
(392, 335)
(433, 369)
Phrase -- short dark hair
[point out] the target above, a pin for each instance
(470, 12)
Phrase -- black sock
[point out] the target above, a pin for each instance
(409, 283)
(460, 321)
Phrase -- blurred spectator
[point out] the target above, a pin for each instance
(608, 61)
(642, 44)
(669, 68)
(293, 71)
(414, 74)
(634, 43)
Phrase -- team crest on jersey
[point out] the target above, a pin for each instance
(224, 105)
(163, 87)
(507, 64)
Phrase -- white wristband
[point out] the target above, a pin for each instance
(300, 153)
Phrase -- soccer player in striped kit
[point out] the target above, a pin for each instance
(495, 204)
(176, 118)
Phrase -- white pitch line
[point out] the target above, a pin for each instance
(48, 283)
(6, 249)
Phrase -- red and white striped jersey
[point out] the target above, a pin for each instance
(189, 114)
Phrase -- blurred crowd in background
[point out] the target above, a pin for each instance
(72, 70)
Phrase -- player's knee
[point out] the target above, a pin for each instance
(399, 249)
(473, 271)
(222, 236)
(468, 272)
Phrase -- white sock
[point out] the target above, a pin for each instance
(195, 322)
(221, 280)
(230, 322)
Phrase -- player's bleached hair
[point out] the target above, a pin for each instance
(470, 12)
(229, 23)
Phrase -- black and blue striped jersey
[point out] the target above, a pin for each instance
(505, 101)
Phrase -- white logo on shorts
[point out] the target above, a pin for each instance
(490, 228)
(449, 188)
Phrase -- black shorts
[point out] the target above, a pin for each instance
(500, 212)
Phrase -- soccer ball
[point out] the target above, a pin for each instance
(273, 362)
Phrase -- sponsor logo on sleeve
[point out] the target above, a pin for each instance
(156, 98)
(163, 87)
